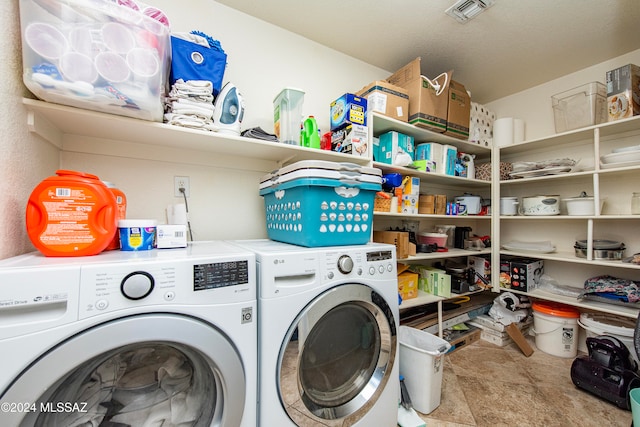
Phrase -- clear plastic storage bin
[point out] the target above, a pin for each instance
(97, 55)
(579, 107)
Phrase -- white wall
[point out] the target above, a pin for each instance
(534, 105)
(24, 159)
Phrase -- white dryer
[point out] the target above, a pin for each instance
(162, 337)
(327, 333)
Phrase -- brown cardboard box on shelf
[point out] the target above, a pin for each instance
(407, 282)
(385, 98)
(459, 111)
(427, 106)
(404, 248)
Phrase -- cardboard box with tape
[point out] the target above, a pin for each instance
(428, 104)
(386, 98)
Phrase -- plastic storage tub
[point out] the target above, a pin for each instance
(582, 106)
(556, 328)
(312, 210)
(595, 324)
(96, 55)
(421, 365)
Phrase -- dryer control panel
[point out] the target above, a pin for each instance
(356, 263)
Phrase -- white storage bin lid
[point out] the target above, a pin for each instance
(322, 169)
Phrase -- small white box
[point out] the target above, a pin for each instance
(171, 236)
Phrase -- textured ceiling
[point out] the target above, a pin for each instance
(512, 46)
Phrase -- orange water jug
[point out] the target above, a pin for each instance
(121, 201)
(71, 214)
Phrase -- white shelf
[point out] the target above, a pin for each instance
(53, 121)
(588, 305)
(431, 216)
(382, 124)
(434, 178)
(605, 129)
(451, 253)
(422, 299)
(610, 185)
(570, 257)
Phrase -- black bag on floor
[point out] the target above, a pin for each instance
(608, 372)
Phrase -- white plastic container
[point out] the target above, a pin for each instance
(287, 115)
(555, 327)
(421, 365)
(595, 324)
(137, 234)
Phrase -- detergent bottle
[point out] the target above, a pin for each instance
(121, 201)
(71, 214)
(310, 136)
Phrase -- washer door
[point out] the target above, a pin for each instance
(152, 369)
(338, 354)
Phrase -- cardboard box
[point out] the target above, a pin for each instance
(407, 282)
(171, 236)
(352, 139)
(482, 267)
(434, 281)
(385, 98)
(410, 195)
(525, 273)
(428, 107)
(392, 144)
(400, 239)
(623, 92)
(348, 109)
(458, 111)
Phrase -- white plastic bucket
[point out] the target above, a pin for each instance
(555, 327)
(595, 324)
(421, 365)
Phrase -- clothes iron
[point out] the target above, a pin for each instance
(228, 109)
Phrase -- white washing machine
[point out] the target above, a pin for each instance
(155, 338)
(328, 322)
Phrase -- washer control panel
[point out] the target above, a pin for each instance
(112, 287)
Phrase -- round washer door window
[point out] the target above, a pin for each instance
(152, 369)
(338, 354)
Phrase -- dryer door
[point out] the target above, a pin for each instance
(337, 356)
(151, 369)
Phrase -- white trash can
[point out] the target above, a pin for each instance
(421, 365)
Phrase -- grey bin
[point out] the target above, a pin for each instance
(421, 365)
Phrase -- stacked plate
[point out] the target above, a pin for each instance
(541, 168)
(621, 157)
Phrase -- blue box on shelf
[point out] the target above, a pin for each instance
(348, 109)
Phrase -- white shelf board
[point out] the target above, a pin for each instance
(586, 133)
(422, 299)
(590, 305)
(451, 253)
(383, 124)
(53, 121)
(570, 257)
(431, 216)
(433, 178)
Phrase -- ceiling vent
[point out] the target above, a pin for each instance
(465, 10)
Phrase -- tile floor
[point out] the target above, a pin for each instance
(487, 385)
